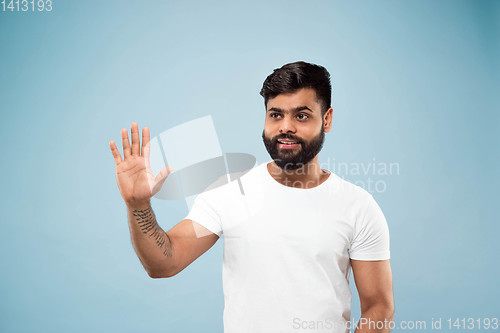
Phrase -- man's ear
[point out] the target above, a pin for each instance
(327, 118)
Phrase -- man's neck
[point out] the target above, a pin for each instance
(308, 176)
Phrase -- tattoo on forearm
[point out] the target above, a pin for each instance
(147, 222)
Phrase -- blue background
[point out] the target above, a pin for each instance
(413, 84)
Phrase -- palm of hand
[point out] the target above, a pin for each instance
(136, 181)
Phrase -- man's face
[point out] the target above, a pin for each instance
(294, 129)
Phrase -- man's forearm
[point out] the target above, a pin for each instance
(377, 318)
(151, 243)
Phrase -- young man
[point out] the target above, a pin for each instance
(292, 231)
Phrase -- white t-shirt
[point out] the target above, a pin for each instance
(286, 250)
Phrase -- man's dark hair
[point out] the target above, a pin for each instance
(291, 77)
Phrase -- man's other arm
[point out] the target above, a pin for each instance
(374, 283)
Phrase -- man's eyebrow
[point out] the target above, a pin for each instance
(297, 109)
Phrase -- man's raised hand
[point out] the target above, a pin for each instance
(136, 181)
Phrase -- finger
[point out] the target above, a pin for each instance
(160, 179)
(145, 143)
(126, 143)
(163, 174)
(135, 139)
(115, 152)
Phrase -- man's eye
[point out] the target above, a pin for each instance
(274, 115)
(302, 116)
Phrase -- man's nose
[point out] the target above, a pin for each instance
(287, 125)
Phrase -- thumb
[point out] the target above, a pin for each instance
(163, 174)
(161, 177)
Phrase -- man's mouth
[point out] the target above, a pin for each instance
(287, 143)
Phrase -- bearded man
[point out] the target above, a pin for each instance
(292, 230)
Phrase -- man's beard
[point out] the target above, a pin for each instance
(290, 159)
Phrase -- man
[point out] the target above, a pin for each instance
(292, 231)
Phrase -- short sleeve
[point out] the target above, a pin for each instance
(203, 213)
(371, 234)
